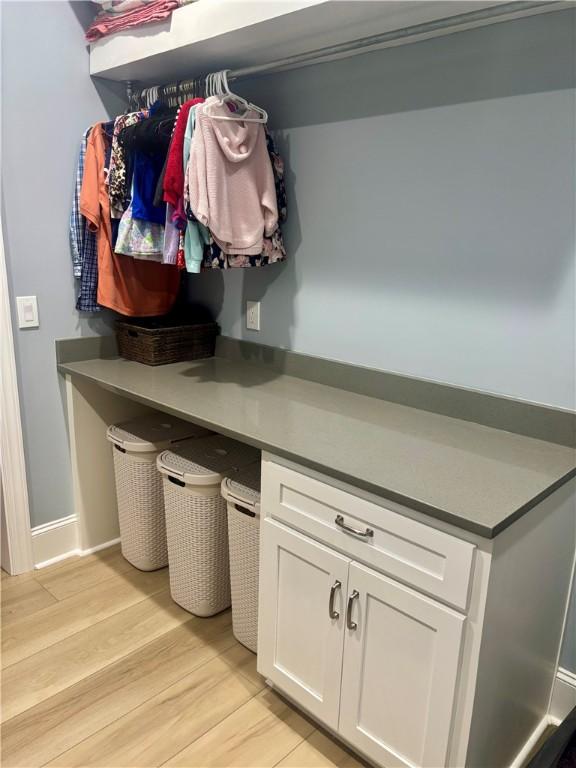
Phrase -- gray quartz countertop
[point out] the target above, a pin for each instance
(478, 478)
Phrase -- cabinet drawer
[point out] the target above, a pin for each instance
(419, 555)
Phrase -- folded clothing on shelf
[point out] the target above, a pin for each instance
(117, 15)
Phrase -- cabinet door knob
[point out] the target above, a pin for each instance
(366, 534)
(333, 589)
(349, 623)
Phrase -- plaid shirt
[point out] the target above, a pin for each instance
(83, 244)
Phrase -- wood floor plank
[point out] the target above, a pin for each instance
(78, 574)
(320, 751)
(83, 560)
(23, 600)
(79, 561)
(75, 562)
(248, 669)
(47, 730)
(9, 582)
(50, 671)
(260, 733)
(32, 633)
(164, 725)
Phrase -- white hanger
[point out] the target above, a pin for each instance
(210, 85)
(150, 95)
(221, 89)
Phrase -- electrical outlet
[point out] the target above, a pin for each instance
(253, 315)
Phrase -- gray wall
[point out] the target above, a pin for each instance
(568, 655)
(47, 101)
(431, 226)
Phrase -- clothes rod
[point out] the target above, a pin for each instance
(413, 34)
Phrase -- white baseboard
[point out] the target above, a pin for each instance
(58, 540)
(563, 694)
(54, 541)
(98, 548)
(563, 701)
(522, 756)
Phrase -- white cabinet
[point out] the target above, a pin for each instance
(441, 660)
(367, 656)
(399, 673)
(300, 644)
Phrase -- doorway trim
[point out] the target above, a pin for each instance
(12, 462)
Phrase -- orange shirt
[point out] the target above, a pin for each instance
(129, 286)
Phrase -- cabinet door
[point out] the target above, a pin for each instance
(299, 643)
(400, 672)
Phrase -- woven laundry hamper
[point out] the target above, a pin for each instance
(136, 445)
(196, 523)
(242, 494)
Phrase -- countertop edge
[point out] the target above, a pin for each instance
(437, 513)
(522, 417)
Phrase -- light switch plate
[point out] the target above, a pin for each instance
(27, 308)
(253, 315)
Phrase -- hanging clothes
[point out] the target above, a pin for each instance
(279, 183)
(180, 260)
(159, 194)
(230, 180)
(77, 221)
(272, 253)
(273, 249)
(88, 296)
(173, 189)
(147, 170)
(83, 243)
(119, 178)
(139, 239)
(171, 238)
(196, 235)
(147, 142)
(158, 191)
(173, 184)
(130, 286)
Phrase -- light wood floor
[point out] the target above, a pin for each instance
(101, 668)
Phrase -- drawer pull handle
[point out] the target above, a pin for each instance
(367, 534)
(349, 623)
(333, 589)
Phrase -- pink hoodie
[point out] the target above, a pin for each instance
(231, 181)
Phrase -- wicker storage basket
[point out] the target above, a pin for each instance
(136, 445)
(196, 524)
(242, 493)
(156, 341)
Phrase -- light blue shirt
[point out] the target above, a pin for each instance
(196, 234)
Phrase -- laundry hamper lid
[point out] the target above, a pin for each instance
(244, 486)
(205, 461)
(154, 432)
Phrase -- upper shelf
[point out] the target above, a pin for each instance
(212, 34)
